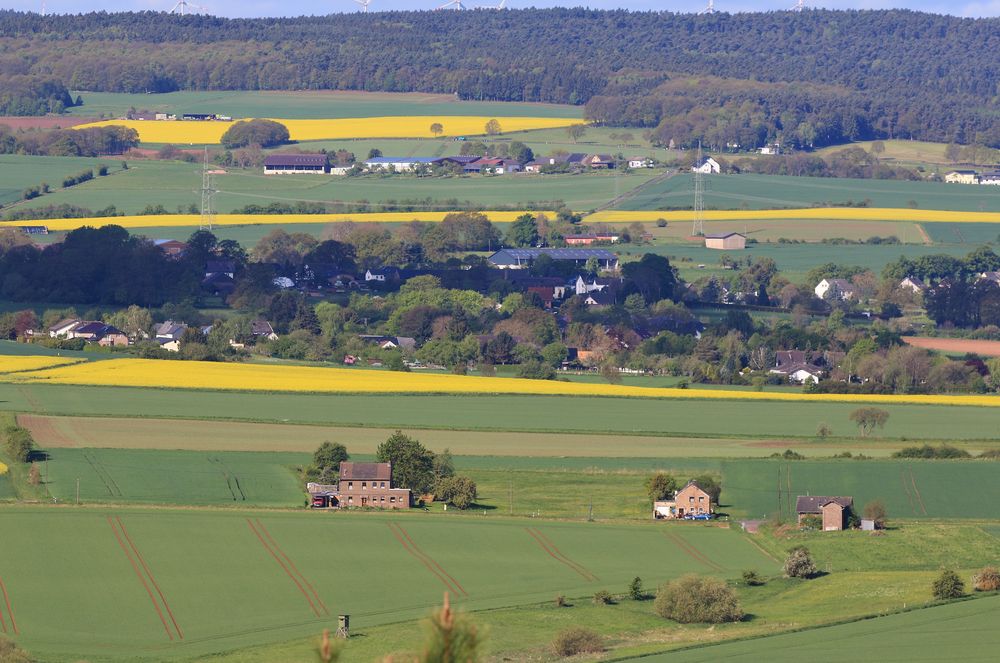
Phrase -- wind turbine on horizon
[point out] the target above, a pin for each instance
(710, 9)
(183, 7)
(364, 5)
(457, 4)
(799, 5)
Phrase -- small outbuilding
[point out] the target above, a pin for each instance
(726, 241)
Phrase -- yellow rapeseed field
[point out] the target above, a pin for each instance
(3, 469)
(404, 126)
(194, 220)
(15, 364)
(810, 213)
(258, 377)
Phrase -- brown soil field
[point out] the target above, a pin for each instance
(45, 122)
(214, 435)
(955, 345)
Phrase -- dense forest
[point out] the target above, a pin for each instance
(811, 78)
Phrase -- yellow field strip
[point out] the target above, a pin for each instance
(257, 377)
(195, 220)
(808, 213)
(404, 126)
(15, 364)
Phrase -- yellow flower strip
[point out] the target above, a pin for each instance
(817, 213)
(404, 126)
(15, 363)
(273, 378)
(194, 220)
(3, 469)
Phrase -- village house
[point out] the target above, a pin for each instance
(495, 166)
(834, 511)
(726, 241)
(389, 342)
(171, 248)
(961, 177)
(841, 289)
(360, 485)
(523, 258)
(583, 286)
(168, 334)
(690, 501)
(772, 148)
(599, 161)
(263, 329)
(295, 164)
(599, 299)
(640, 162)
(913, 283)
(398, 164)
(382, 275)
(805, 366)
(991, 178)
(587, 240)
(707, 166)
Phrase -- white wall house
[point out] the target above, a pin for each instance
(708, 166)
(841, 287)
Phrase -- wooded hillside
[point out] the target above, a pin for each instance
(815, 77)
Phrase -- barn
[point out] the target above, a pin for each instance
(726, 241)
(295, 164)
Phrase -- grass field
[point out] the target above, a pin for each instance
(162, 585)
(964, 630)
(808, 230)
(678, 418)
(310, 105)
(910, 489)
(18, 172)
(395, 126)
(173, 184)
(752, 192)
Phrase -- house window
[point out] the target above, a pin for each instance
(392, 499)
(701, 498)
(350, 499)
(383, 485)
(691, 498)
(350, 485)
(364, 485)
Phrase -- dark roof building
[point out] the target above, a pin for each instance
(295, 163)
(523, 258)
(813, 504)
(365, 471)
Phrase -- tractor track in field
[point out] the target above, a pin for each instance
(693, 552)
(103, 474)
(231, 478)
(10, 611)
(916, 491)
(295, 570)
(152, 578)
(294, 578)
(909, 495)
(139, 568)
(549, 547)
(411, 547)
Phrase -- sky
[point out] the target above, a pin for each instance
(254, 8)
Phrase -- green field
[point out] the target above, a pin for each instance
(681, 418)
(777, 191)
(155, 585)
(963, 631)
(18, 172)
(306, 105)
(909, 489)
(173, 184)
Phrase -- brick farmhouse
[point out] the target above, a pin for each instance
(361, 485)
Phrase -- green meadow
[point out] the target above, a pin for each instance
(18, 172)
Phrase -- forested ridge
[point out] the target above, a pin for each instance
(815, 77)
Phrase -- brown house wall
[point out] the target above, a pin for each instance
(693, 500)
(375, 494)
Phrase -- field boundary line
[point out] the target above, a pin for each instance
(142, 578)
(430, 567)
(431, 559)
(152, 578)
(10, 610)
(916, 491)
(689, 549)
(284, 568)
(281, 552)
(560, 557)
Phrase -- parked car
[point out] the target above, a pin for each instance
(698, 516)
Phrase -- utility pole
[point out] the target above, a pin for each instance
(207, 213)
(698, 228)
(78, 490)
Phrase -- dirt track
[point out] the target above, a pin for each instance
(955, 345)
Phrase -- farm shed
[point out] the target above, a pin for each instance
(727, 241)
(295, 164)
(833, 510)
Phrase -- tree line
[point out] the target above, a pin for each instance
(678, 74)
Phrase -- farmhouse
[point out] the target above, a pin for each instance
(707, 166)
(640, 162)
(727, 241)
(834, 511)
(801, 366)
(295, 164)
(691, 500)
(991, 178)
(382, 274)
(399, 164)
(495, 166)
(961, 177)
(362, 485)
(523, 258)
(841, 289)
(34, 230)
(586, 240)
(600, 161)
(913, 283)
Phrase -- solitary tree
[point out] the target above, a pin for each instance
(660, 486)
(493, 127)
(695, 599)
(867, 418)
(799, 563)
(437, 129)
(635, 590)
(576, 131)
(328, 457)
(948, 586)
(412, 463)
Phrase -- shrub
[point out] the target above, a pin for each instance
(460, 492)
(11, 653)
(799, 563)
(823, 430)
(635, 591)
(560, 601)
(948, 586)
(694, 599)
(18, 443)
(875, 510)
(811, 521)
(602, 597)
(660, 486)
(577, 640)
(987, 580)
(927, 451)
(752, 579)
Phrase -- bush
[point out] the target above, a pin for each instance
(811, 521)
(948, 586)
(875, 510)
(603, 597)
(18, 443)
(927, 451)
(799, 563)
(752, 579)
(577, 640)
(694, 599)
(661, 486)
(635, 591)
(460, 492)
(11, 653)
(560, 601)
(987, 580)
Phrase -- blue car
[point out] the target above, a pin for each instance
(698, 516)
